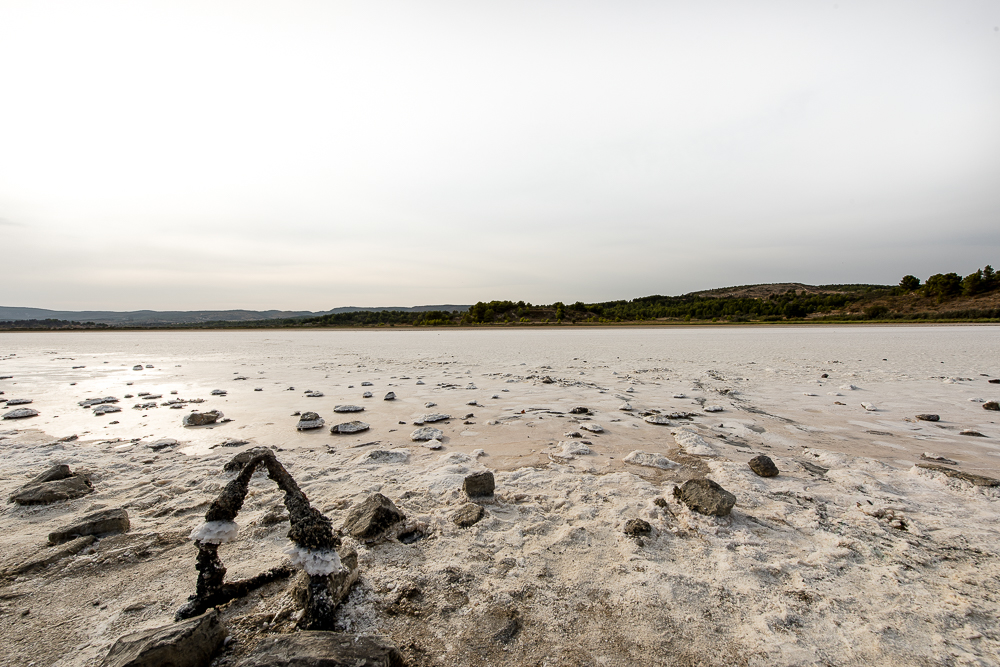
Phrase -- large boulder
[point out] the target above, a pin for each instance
(104, 522)
(371, 518)
(202, 418)
(190, 643)
(325, 649)
(705, 496)
(55, 484)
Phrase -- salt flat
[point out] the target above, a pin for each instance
(852, 555)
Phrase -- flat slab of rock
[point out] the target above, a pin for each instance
(763, 466)
(371, 518)
(975, 480)
(479, 484)
(929, 418)
(107, 409)
(350, 427)
(202, 418)
(593, 428)
(426, 433)
(650, 460)
(692, 443)
(105, 522)
(309, 421)
(705, 496)
(163, 443)
(325, 649)
(190, 643)
(54, 489)
(18, 401)
(662, 420)
(467, 515)
(348, 408)
(20, 413)
(49, 556)
(431, 418)
(91, 402)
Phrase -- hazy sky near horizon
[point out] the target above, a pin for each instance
(308, 155)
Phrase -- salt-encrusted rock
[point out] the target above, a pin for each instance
(202, 418)
(570, 450)
(640, 458)
(705, 496)
(91, 402)
(325, 649)
(927, 456)
(663, 420)
(713, 408)
(348, 408)
(372, 517)
(479, 484)
(625, 407)
(637, 527)
(232, 442)
(367, 394)
(593, 428)
(21, 413)
(55, 484)
(929, 418)
(679, 396)
(975, 480)
(763, 466)
(105, 522)
(467, 515)
(580, 411)
(107, 409)
(391, 396)
(991, 405)
(314, 394)
(190, 643)
(870, 407)
(309, 421)
(426, 433)
(385, 456)
(433, 443)
(239, 461)
(350, 427)
(692, 443)
(431, 418)
(163, 443)
(339, 581)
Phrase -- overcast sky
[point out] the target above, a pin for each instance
(308, 155)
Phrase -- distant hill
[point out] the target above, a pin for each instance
(147, 317)
(769, 289)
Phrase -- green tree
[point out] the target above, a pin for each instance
(972, 284)
(943, 285)
(909, 283)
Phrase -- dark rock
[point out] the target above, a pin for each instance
(67, 488)
(994, 381)
(239, 461)
(975, 480)
(350, 427)
(18, 401)
(309, 421)
(21, 413)
(990, 405)
(763, 466)
(163, 443)
(391, 396)
(234, 443)
(825, 375)
(91, 402)
(705, 496)
(969, 431)
(325, 649)
(371, 518)
(202, 418)
(411, 536)
(929, 418)
(58, 471)
(467, 515)
(479, 484)
(218, 392)
(190, 643)
(637, 527)
(939, 459)
(426, 433)
(104, 522)
(660, 502)
(580, 411)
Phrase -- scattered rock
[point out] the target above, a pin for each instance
(467, 515)
(847, 387)
(309, 421)
(348, 408)
(625, 407)
(55, 484)
(929, 418)
(391, 396)
(870, 407)
(692, 443)
(927, 456)
(202, 418)
(571, 450)
(593, 428)
(370, 518)
(991, 405)
(218, 392)
(104, 522)
(763, 466)
(713, 408)
(325, 649)
(426, 433)
(662, 420)
(386, 456)
(367, 394)
(314, 394)
(479, 484)
(234, 443)
(650, 460)
(106, 409)
(350, 427)
(429, 404)
(91, 402)
(705, 496)
(433, 443)
(637, 527)
(580, 411)
(163, 443)
(137, 367)
(21, 413)
(994, 381)
(366, 384)
(431, 418)
(190, 643)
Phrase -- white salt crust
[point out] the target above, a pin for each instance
(216, 532)
(326, 561)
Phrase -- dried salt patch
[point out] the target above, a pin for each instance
(385, 456)
(325, 561)
(593, 428)
(426, 433)
(663, 420)
(649, 460)
(713, 408)
(571, 450)
(870, 407)
(847, 387)
(215, 532)
(692, 443)
(476, 453)
(433, 443)
(455, 457)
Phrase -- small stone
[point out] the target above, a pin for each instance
(649, 460)
(367, 394)
(202, 418)
(426, 433)
(433, 443)
(391, 396)
(705, 496)
(637, 527)
(480, 484)
(348, 408)
(366, 384)
(763, 466)
(713, 408)
(190, 643)
(990, 405)
(350, 427)
(105, 522)
(593, 428)
(467, 515)
(870, 407)
(218, 392)
(929, 418)
(372, 517)
(91, 402)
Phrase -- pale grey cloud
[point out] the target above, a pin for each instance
(305, 155)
